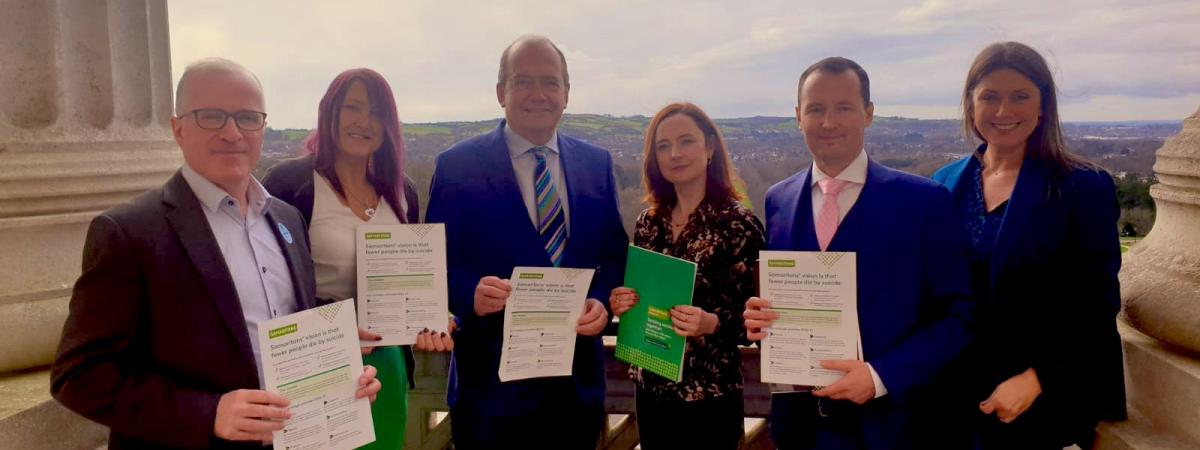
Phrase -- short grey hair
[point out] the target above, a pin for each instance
(221, 65)
(531, 39)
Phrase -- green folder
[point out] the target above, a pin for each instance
(645, 337)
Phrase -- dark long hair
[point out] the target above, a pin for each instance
(1047, 145)
(719, 179)
(386, 171)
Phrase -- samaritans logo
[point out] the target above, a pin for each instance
(829, 259)
(572, 273)
(531, 276)
(379, 235)
(282, 331)
(422, 229)
(781, 263)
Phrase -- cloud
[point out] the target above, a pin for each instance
(735, 59)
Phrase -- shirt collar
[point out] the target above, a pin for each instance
(518, 145)
(211, 195)
(856, 172)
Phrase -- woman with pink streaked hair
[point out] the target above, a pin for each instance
(351, 174)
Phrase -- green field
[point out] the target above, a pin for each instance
(427, 130)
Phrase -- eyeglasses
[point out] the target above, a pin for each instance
(215, 119)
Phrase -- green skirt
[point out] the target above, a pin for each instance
(390, 410)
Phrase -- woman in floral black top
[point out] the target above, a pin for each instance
(695, 214)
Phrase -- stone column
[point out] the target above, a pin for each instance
(1160, 291)
(85, 102)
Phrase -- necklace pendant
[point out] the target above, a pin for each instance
(370, 212)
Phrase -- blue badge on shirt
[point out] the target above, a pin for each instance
(283, 231)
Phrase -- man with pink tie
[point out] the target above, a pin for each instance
(914, 302)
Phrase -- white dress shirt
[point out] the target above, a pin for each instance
(855, 175)
(332, 233)
(524, 166)
(256, 263)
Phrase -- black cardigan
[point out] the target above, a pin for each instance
(292, 182)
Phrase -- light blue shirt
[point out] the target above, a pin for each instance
(256, 263)
(524, 166)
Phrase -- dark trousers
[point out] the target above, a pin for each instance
(712, 423)
(800, 421)
(556, 422)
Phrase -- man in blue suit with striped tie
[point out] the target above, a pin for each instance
(525, 195)
(915, 307)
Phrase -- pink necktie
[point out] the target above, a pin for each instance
(827, 218)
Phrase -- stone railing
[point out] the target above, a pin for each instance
(1160, 323)
(427, 403)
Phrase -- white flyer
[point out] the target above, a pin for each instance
(816, 297)
(402, 285)
(539, 321)
(312, 358)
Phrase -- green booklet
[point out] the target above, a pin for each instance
(645, 337)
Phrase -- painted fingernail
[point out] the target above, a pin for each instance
(443, 334)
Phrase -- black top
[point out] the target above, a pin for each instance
(723, 240)
(983, 227)
(292, 182)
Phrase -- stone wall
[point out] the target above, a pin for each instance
(85, 99)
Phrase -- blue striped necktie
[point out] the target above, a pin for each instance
(552, 223)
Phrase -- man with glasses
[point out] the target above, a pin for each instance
(161, 344)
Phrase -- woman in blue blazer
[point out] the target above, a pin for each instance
(1046, 364)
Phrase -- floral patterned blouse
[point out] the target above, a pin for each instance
(723, 240)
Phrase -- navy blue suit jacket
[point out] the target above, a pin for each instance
(915, 308)
(1053, 271)
(488, 232)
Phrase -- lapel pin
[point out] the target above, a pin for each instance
(283, 231)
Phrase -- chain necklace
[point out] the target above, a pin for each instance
(369, 210)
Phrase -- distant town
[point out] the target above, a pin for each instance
(768, 149)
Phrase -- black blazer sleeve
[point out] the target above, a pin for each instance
(292, 182)
(96, 372)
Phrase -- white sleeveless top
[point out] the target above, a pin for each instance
(332, 234)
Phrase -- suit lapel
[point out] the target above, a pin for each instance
(804, 233)
(287, 238)
(1029, 192)
(848, 236)
(572, 172)
(954, 178)
(503, 181)
(187, 220)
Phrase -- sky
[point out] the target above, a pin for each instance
(1113, 60)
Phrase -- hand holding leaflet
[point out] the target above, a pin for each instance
(540, 321)
(311, 358)
(814, 295)
(402, 281)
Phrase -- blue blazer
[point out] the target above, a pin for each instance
(488, 232)
(1052, 296)
(915, 307)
